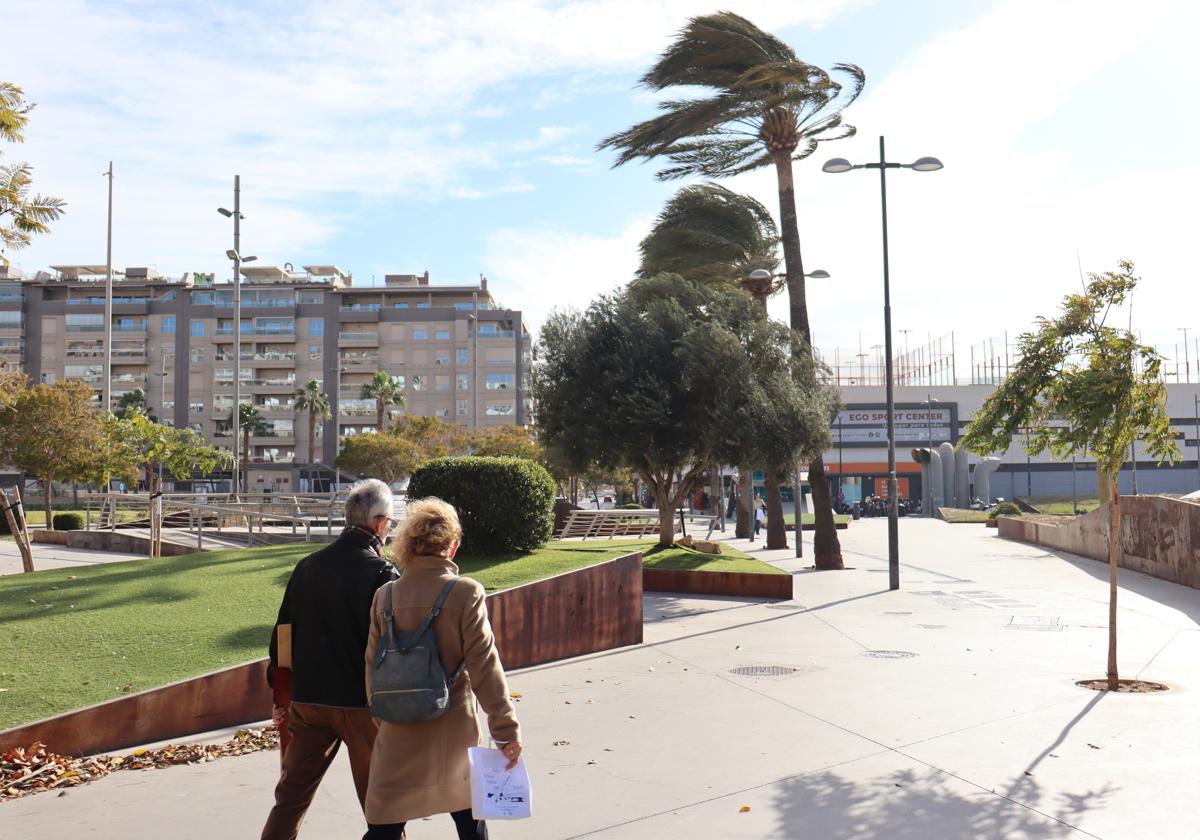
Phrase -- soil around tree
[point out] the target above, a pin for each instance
(1124, 686)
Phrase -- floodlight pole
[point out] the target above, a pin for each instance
(108, 304)
(237, 328)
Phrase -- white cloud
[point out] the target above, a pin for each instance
(538, 269)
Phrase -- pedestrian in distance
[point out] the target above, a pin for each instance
(421, 769)
(327, 607)
(760, 513)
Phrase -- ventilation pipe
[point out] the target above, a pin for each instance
(983, 478)
(932, 479)
(962, 479)
(946, 453)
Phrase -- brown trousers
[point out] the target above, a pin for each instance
(316, 732)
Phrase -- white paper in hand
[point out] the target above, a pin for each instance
(496, 793)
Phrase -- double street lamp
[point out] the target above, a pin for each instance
(924, 164)
(235, 255)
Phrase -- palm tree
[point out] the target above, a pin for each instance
(767, 107)
(385, 391)
(710, 234)
(133, 401)
(250, 422)
(28, 214)
(312, 399)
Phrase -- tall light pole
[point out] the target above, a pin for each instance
(758, 283)
(1196, 429)
(1187, 362)
(929, 401)
(238, 259)
(337, 423)
(925, 164)
(162, 400)
(473, 321)
(108, 304)
(907, 361)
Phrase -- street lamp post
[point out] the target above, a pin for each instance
(238, 259)
(924, 164)
(929, 401)
(1187, 361)
(473, 320)
(1196, 430)
(337, 424)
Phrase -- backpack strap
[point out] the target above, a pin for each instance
(435, 609)
(387, 617)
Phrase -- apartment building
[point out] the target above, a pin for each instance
(457, 354)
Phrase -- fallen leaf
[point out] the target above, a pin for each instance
(561, 743)
(1093, 746)
(745, 809)
(516, 695)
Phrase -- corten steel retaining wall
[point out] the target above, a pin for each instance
(743, 584)
(589, 610)
(1159, 536)
(108, 541)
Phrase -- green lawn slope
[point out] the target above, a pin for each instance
(73, 637)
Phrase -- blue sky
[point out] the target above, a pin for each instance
(460, 137)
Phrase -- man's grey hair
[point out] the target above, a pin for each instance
(368, 500)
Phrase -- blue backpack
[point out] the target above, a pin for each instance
(408, 683)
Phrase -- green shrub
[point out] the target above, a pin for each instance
(1006, 509)
(68, 521)
(631, 506)
(504, 504)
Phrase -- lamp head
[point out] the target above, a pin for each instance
(819, 274)
(249, 259)
(759, 274)
(837, 165)
(232, 254)
(224, 212)
(926, 164)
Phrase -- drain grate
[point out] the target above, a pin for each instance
(763, 671)
(889, 654)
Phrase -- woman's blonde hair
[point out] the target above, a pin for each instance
(431, 528)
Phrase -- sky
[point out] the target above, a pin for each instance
(460, 138)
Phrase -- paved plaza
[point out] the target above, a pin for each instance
(945, 710)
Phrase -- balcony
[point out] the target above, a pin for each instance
(277, 332)
(358, 339)
(365, 361)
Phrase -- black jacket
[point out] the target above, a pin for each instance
(328, 603)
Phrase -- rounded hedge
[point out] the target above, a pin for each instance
(1006, 509)
(504, 504)
(68, 521)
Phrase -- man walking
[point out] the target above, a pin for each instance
(327, 605)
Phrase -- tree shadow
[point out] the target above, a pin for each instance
(911, 805)
(258, 635)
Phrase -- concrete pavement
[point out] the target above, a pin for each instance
(945, 710)
(47, 556)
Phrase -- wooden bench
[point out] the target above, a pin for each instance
(639, 522)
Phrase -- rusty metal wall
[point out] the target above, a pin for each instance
(1159, 536)
(718, 583)
(580, 612)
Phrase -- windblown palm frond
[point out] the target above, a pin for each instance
(753, 76)
(708, 233)
(29, 215)
(14, 112)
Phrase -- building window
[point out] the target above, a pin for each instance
(197, 329)
(310, 296)
(499, 410)
(442, 335)
(441, 359)
(197, 354)
(196, 407)
(420, 335)
(442, 412)
(463, 382)
(168, 325)
(423, 305)
(418, 383)
(441, 383)
(399, 305)
(316, 326)
(168, 405)
(498, 381)
(460, 408)
(461, 355)
(315, 352)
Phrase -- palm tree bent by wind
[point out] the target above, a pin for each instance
(766, 107)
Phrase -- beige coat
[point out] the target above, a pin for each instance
(420, 769)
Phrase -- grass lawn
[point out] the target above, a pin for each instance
(72, 637)
(959, 515)
(1062, 505)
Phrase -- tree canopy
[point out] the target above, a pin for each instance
(137, 446)
(666, 378)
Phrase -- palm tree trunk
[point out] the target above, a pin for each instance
(776, 527)
(1114, 539)
(245, 457)
(379, 416)
(741, 528)
(312, 436)
(827, 549)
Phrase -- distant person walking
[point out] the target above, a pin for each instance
(328, 605)
(760, 513)
(421, 769)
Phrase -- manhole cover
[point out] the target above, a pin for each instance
(792, 607)
(889, 654)
(763, 671)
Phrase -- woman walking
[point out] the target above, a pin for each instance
(420, 769)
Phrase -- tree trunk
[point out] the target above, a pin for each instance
(379, 412)
(1114, 540)
(741, 528)
(666, 515)
(1104, 485)
(48, 502)
(714, 495)
(827, 549)
(245, 476)
(312, 438)
(776, 527)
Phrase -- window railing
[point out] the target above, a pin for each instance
(360, 307)
(281, 330)
(358, 336)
